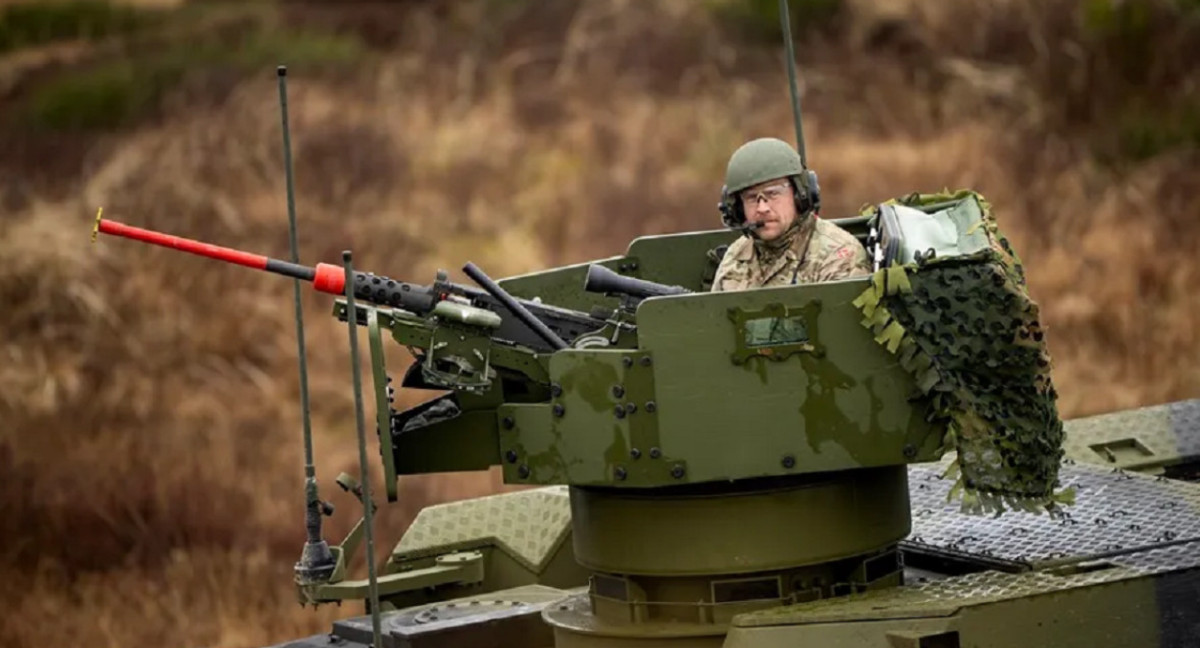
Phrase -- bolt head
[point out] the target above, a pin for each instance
(559, 410)
(555, 390)
(508, 422)
(523, 471)
(620, 473)
(618, 391)
(630, 408)
(677, 471)
(635, 453)
(655, 453)
(651, 406)
(511, 456)
(789, 462)
(619, 411)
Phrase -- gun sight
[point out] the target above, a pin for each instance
(603, 280)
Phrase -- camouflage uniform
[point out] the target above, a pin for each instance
(811, 250)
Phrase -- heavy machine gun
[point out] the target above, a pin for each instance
(523, 322)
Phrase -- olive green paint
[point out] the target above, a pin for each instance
(1060, 615)
(627, 532)
(383, 408)
(529, 448)
(823, 411)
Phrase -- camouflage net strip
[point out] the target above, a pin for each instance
(968, 332)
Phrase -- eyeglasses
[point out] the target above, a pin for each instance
(770, 194)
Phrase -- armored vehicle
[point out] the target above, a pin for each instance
(874, 461)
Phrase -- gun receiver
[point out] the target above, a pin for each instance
(541, 327)
(631, 291)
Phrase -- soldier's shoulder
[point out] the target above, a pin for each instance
(741, 249)
(832, 238)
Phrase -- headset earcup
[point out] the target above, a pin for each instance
(807, 201)
(814, 191)
(731, 210)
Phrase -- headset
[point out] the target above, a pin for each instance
(807, 196)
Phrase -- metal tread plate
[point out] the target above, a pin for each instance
(1116, 515)
(529, 525)
(1123, 526)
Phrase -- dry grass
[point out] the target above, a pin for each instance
(149, 435)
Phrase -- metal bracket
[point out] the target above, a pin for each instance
(383, 404)
(459, 352)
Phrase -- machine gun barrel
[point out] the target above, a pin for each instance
(563, 325)
(602, 280)
(324, 277)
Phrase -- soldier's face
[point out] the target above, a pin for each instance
(770, 203)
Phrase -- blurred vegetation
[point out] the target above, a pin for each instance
(1141, 55)
(1116, 77)
(28, 24)
(760, 18)
(1144, 132)
(162, 49)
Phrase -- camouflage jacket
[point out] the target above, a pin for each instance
(821, 251)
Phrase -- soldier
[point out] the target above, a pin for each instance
(790, 245)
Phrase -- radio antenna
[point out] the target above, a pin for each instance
(786, 23)
(352, 324)
(316, 562)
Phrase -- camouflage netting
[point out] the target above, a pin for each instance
(965, 327)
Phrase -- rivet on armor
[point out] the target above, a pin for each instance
(630, 408)
(619, 411)
(651, 406)
(646, 361)
(523, 471)
(655, 453)
(910, 451)
(559, 410)
(618, 391)
(555, 390)
(789, 462)
(620, 473)
(677, 471)
(627, 361)
(508, 422)
(635, 453)
(511, 456)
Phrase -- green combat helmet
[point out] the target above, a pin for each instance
(761, 160)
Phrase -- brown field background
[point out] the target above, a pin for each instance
(150, 456)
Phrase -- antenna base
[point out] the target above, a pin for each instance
(316, 564)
